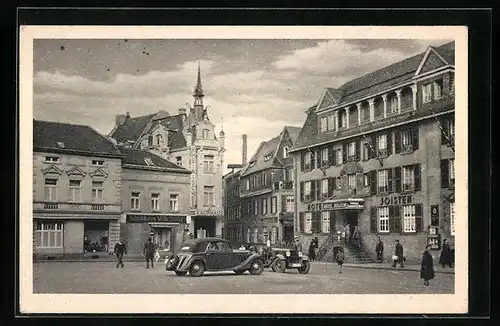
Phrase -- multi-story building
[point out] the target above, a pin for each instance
(188, 140)
(378, 153)
(232, 207)
(76, 190)
(155, 201)
(267, 191)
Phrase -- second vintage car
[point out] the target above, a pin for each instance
(281, 259)
(213, 254)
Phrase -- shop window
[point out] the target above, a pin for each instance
(409, 218)
(97, 194)
(135, 200)
(51, 189)
(95, 236)
(49, 235)
(325, 222)
(308, 222)
(383, 219)
(75, 189)
(174, 203)
(155, 201)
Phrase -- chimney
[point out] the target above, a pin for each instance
(244, 150)
(182, 111)
(120, 119)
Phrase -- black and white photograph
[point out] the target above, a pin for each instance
(255, 166)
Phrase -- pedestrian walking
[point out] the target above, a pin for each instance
(445, 258)
(316, 247)
(398, 257)
(149, 252)
(379, 249)
(427, 268)
(297, 245)
(119, 251)
(340, 259)
(348, 234)
(356, 236)
(312, 252)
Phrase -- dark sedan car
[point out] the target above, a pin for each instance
(213, 254)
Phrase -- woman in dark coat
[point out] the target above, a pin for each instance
(427, 269)
(312, 252)
(445, 257)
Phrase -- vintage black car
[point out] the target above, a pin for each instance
(281, 259)
(213, 254)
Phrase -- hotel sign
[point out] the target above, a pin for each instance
(335, 206)
(139, 218)
(396, 200)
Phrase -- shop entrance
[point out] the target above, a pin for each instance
(95, 236)
(204, 226)
(351, 218)
(162, 237)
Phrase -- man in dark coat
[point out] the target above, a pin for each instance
(119, 251)
(379, 249)
(427, 268)
(445, 257)
(149, 251)
(399, 255)
(312, 252)
(297, 244)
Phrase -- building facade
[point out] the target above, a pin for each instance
(378, 153)
(189, 140)
(233, 228)
(267, 191)
(155, 201)
(76, 191)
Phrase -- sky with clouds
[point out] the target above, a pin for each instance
(254, 87)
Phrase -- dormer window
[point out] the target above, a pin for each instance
(148, 161)
(206, 134)
(159, 139)
(285, 152)
(51, 159)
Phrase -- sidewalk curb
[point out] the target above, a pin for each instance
(363, 266)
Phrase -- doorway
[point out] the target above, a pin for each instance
(95, 236)
(351, 218)
(288, 233)
(163, 238)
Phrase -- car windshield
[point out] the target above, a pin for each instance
(188, 247)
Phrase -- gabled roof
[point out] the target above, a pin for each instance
(386, 77)
(49, 135)
(268, 149)
(132, 128)
(137, 157)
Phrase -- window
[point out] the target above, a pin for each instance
(366, 151)
(159, 139)
(325, 222)
(248, 184)
(409, 218)
(255, 235)
(393, 107)
(383, 219)
(339, 157)
(331, 122)
(247, 236)
(351, 178)
(408, 178)
(290, 203)
(178, 160)
(324, 157)
(75, 190)
(51, 159)
(174, 203)
(452, 172)
(323, 124)
(49, 235)
(406, 140)
(264, 179)
(274, 235)
(366, 180)
(98, 162)
(264, 206)
(97, 191)
(451, 129)
(438, 89)
(427, 92)
(208, 164)
(324, 187)
(274, 207)
(452, 218)
(308, 222)
(383, 181)
(285, 152)
(208, 196)
(155, 201)
(342, 119)
(339, 183)
(51, 189)
(135, 200)
(255, 207)
(307, 190)
(206, 133)
(351, 152)
(382, 143)
(307, 160)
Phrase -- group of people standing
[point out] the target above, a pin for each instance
(427, 265)
(352, 236)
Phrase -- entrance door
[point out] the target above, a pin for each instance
(288, 233)
(351, 218)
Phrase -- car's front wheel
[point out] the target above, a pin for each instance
(179, 273)
(279, 265)
(257, 267)
(197, 269)
(304, 269)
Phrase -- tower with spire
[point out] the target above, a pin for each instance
(198, 108)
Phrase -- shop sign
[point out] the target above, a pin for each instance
(137, 218)
(396, 200)
(343, 205)
(434, 210)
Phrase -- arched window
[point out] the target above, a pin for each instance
(285, 151)
(159, 139)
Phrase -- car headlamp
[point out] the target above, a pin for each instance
(288, 254)
(300, 253)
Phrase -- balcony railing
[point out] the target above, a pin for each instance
(50, 205)
(97, 207)
(76, 207)
(283, 185)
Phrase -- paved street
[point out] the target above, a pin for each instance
(103, 277)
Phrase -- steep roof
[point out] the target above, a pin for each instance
(388, 76)
(132, 128)
(293, 132)
(70, 137)
(138, 157)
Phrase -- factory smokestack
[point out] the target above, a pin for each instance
(244, 150)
